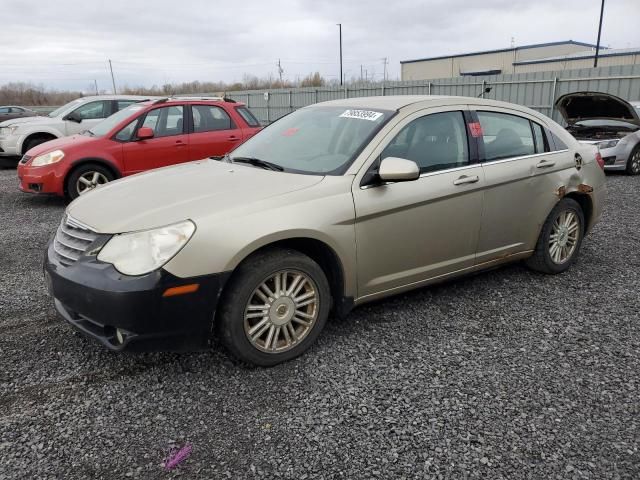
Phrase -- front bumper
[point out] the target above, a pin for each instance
(127, 312)
(9, 145)
(46, 179)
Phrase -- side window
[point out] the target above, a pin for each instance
(93, 110)
(505, 135)
(434, 142)
(165, 121)
(539, 137)
(207, 118)
(247, 116)
(5, 109)
(558, 143)
(126, 133)
(120, 104)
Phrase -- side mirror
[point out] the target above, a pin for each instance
(144, 133)
(74, 117)
(393, 169)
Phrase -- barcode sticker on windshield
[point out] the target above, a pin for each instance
(362, 115)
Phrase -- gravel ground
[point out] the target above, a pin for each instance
(503, 375)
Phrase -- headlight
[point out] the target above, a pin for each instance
(8, 130)
(48, 158)
(138, 253)
(608, 143)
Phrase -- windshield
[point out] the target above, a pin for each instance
(105, 126)
(68, 106)
(316, 140)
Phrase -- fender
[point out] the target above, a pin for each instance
(112, 164)
(37, 131)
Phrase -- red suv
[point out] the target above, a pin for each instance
(143, 136)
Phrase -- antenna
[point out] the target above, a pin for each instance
(385, 62)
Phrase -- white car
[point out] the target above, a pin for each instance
(19, 135)
(607, 121)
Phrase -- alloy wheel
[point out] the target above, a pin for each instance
(89, 181)
(281, 311)
(635, 162)
(564, 237)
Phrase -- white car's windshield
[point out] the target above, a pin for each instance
(105, 126)
(316, 140)
(58, 111)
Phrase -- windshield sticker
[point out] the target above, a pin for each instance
(362, 115)
(290, 132)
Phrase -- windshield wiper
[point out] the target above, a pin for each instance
(257, 163)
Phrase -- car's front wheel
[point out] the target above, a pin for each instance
(633, 164)
(274, 308)
(560, 238)
(85, 178)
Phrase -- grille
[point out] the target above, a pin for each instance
(72, 240)
(25, 159)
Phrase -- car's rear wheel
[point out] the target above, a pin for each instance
(560, 238)
(274, 307)
(85, 178)
(633, 164)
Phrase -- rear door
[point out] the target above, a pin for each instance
(522, 176)
(409, 232)
(169, 145)
(212, 133)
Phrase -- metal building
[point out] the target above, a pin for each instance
(540, 57)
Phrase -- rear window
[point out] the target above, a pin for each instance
(247, 116)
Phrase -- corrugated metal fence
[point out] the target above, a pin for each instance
(537, 90)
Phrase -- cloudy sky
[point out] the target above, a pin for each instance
(66, 43)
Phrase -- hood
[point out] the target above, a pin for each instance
(26, 120)
(64, 143)
(192, 190)
(595, 106)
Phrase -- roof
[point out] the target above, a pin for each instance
(511, 49)
(396, 102)
(585, 54)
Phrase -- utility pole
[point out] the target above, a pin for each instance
(96, 84)
(280, 71)
(595, 61)
(113, 81)
(385, 61)
(340, 29)
(361, 73)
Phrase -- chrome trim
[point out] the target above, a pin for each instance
(427, 174)
(61, 253)
(74, 234)
(73, 223)
(523, 157)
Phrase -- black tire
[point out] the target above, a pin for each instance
(633, 164)
(71, 185)
(35, 141)
(541, 260)
(230, 319)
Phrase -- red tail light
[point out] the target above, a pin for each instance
(600, 160)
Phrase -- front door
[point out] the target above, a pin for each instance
(169, 145)
(409, 232)
(89, 115)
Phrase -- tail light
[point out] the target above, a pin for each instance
(600, 160)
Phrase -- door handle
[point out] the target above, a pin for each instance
(545, 164)
(180, 143)
(233, 138)
(465, 179)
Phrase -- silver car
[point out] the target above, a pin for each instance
(332, 206)
(607, 121)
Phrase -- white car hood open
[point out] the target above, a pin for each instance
(189, 191)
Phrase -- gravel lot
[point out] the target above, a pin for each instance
(503, 375)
